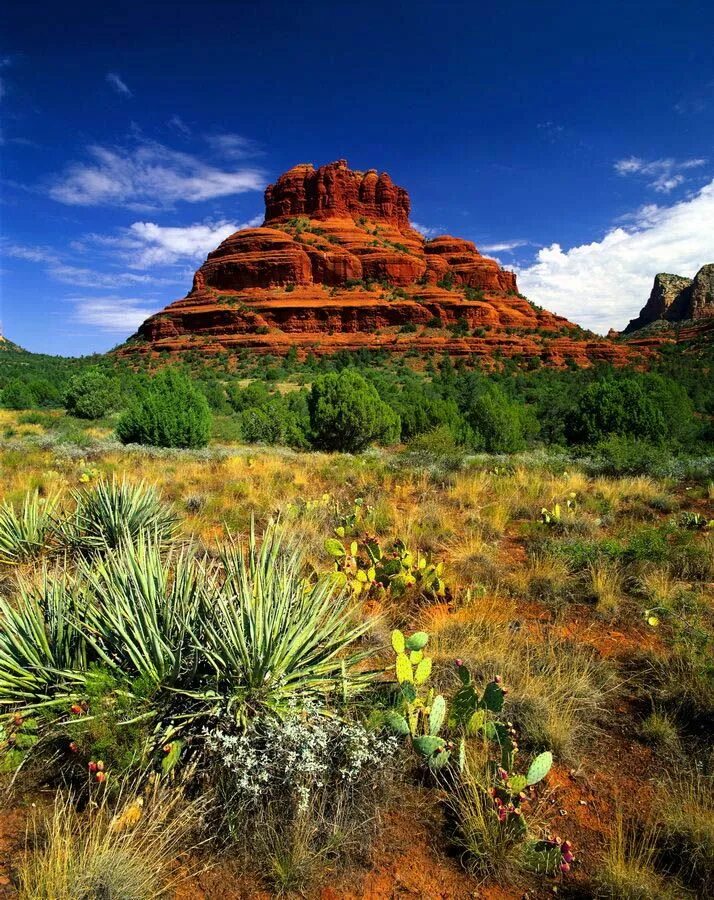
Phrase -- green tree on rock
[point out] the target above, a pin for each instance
(347, 414)
(168, 411)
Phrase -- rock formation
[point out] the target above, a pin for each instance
(678, 299)
(337, 265)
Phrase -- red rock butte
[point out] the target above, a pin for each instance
(337, 265)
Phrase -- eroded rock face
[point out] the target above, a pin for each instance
(335, 191)
(336, 265)
(675, 298)
(701, 304)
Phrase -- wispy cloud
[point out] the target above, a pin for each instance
(67, 272)
(148, 176)
(177, 123)
(117, 83)
(233, 146)
(664, 175)
(426, 230)
(117, 315)
(550, 130)
(504, 246)
(606, 282)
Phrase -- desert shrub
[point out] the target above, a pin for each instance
(298, 792)
(627, 455)
(168, 411)
(91, 395)
(184, 638)
(45, 393)
(347, 414)
(497, 421)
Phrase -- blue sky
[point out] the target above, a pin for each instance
(572, 141)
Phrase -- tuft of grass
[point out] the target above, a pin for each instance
(489, 851)
(660, 731)
(122, 852)
(628, 870)
(685, 810)
(605, 587)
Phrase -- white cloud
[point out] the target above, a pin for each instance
(663, 174)
(120, 315)
(606, 283)
(118, 84)
(233, 146)
(148, 176)
(162, 245)
(146, 244)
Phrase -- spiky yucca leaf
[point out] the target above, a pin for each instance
(271, 635)
(28, 532)
(116, 511)
(41, 652)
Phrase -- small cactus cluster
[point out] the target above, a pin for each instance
(425, 714)
(368, 569)
(471, 712)
(554, 515)
(694, 521)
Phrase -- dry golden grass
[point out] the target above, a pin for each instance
(126, 849)
(628, 871)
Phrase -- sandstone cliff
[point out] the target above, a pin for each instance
(337, 265)
(678, 299)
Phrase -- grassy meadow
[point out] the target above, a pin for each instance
(250, 671)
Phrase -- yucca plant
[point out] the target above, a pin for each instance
(42, 654)
(271, 635)
(28, 532)
(116, 511)
(144, 606)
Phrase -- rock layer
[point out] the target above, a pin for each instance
(337, 265)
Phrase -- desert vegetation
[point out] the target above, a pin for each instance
(308, 667)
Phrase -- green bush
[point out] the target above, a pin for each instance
(621, 455)
(347, 414)
(91, 395)
(169, 411)
(17, 395)
(497, 421)
(619, 406)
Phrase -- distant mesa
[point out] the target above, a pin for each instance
(336, 265)
(675, 299)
